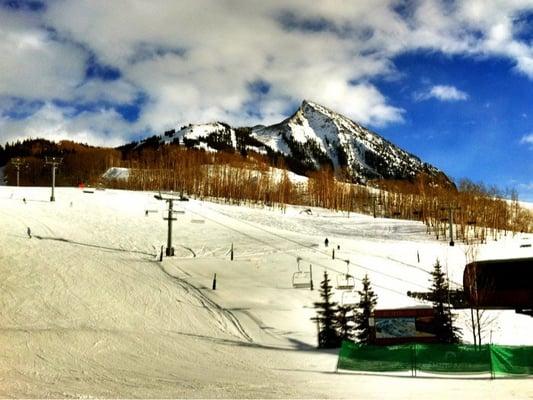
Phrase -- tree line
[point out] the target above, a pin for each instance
(479, 212)
(80, 163)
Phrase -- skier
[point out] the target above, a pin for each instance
(326, 242)
(24, 200)
(28, 231)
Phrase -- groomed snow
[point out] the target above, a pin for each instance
(88, 311)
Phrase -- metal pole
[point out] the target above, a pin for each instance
(52, 198)
(54, 162)
(170, 249)
(170, 201)
(451, 227)
(311, 276)
(17, 162)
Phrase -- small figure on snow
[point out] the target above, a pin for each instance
(24, 200)
(145, 213)
(28, 231)
(326, 242)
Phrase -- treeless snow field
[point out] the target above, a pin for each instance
(87, 310)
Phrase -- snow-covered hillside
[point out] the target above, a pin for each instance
(87, 310)
(200, 131)
(344, 142)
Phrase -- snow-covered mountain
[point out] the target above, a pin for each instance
(313, 136)
(316, 133)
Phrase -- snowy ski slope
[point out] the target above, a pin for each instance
(87, 310)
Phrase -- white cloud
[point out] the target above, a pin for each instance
(527, 139)
(233, 48)
(34, 67)
(100, 127)
(195, 60)
(443, 93)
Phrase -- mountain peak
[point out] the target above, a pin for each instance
(316, 135)
(308, 104)
(312, 137)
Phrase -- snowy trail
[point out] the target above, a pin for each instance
(88, 311)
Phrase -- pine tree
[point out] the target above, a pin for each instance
(367, 302)
(444, 329)
(326, 317)
(344, 322)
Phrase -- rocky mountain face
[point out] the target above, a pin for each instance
(312, 137)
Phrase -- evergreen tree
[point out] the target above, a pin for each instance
(367, 302)
(326, 317)
(444, 329)
(344, 322)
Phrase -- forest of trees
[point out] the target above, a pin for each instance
(81, 163)
(478, 212)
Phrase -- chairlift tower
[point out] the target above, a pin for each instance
(17, 162)
(451, 209)
(54, 162)
(170, 198)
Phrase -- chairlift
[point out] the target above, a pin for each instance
(349, 298)
(301, 279)
(346, 281)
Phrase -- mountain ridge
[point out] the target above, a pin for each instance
(313, 136)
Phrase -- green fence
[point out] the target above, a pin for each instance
(438, 358)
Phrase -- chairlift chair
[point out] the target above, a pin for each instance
(345, 281)
(301, 279)
(349, 298)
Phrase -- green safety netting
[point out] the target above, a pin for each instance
(450, 358)
(359, 357)
(441, 358)
(512, 359)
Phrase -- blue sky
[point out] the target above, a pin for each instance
(450, 81)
